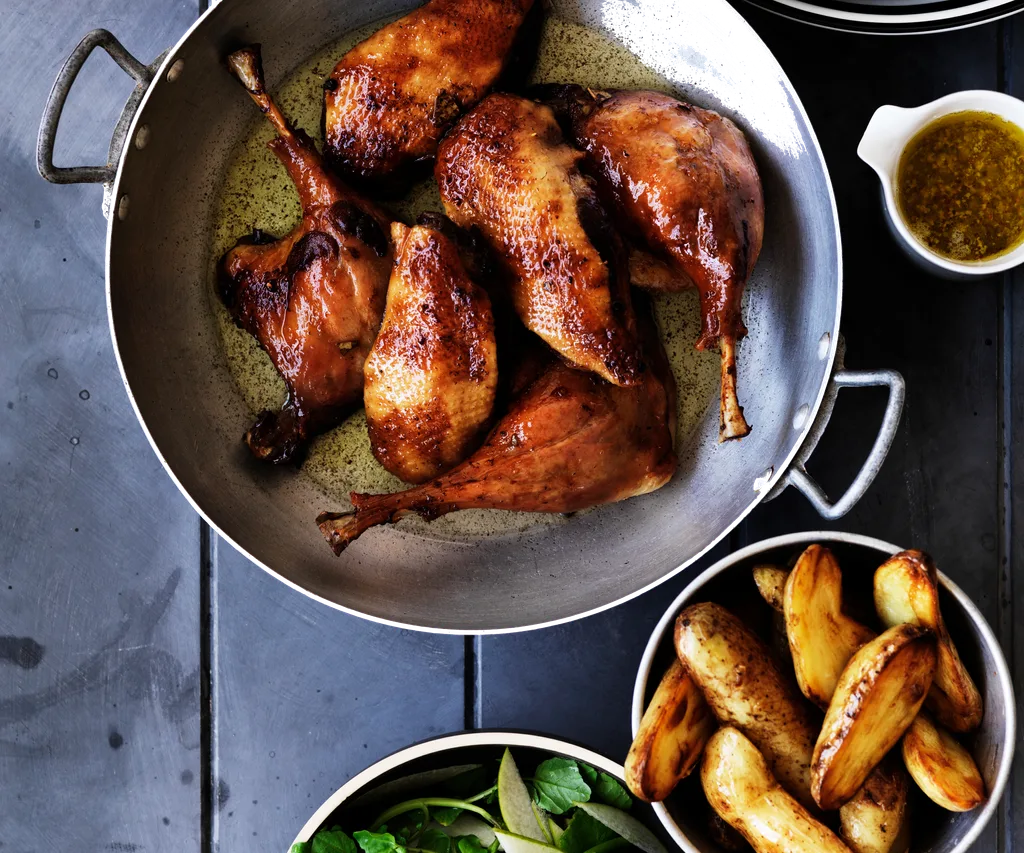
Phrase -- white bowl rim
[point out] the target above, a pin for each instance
(443, 743)
(984, 814)
(966, 99)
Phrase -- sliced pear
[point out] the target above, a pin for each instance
(512, 843)
(941, 767)
(542, 821)
(515, 803)
(555, 830)
(625, 825)
(467, 823)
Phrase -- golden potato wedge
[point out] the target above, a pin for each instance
(671, 737)
(745, 688)
(872, 821)
(821, 637)
(741, 789)
(942, 767)
(878, 695)
(907, 590)
(771, 583)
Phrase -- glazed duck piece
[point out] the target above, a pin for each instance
(506, 170)
(314, 298)
(432, 373)
(392, 97)
(570, 441)
(684, 183)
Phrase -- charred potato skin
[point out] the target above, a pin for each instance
(942, 767)
(863, 721)
(741, 789)
(907, 590)
(745, 688)
(874, 819)
(672, 734)
(822, 638)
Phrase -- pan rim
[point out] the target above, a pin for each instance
(779, 469)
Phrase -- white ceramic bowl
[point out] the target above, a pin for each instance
(458, 749)
(884, 140)
(729, 582)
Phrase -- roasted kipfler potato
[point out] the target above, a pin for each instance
(873, 820)
(907, 590)
(771, 583)
(878, 695)
(821, 637)
(941, 767)
(741, 789)
(672, 734)
(745, 688)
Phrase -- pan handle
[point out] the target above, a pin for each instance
(143, 76)
(803, 482)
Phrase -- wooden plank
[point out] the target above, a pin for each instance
(576, 680)
(99, 680)
(306, 696)
(1011, 598)
(939, 488)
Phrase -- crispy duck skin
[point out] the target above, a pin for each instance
(432, 373)
(390, 99)
(506, 170)
(684, 184)
(313, 298)
(570, 441)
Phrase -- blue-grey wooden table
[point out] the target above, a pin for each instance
(159, 693)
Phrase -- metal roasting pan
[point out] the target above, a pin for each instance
(167, 158)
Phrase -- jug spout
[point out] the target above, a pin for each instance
(885, 136)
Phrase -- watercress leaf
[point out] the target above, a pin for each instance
(300, 847)
(608, 790)
(588, 773)
(471, 844)
(583, 832)
(406, 825)
(557, 785)
(493, 846)
(435, 841)
(445, 816)
(377, 842)
(331, 841)
(624, 824)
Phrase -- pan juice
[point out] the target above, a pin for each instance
(257, 193)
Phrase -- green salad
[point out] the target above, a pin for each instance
(566, 806)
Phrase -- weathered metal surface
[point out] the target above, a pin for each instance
(99, 622)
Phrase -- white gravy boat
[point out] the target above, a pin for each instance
(882, 145)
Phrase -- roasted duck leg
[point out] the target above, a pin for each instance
(684, 183)
(432, 373)
(570, 441)
(506, 170)
(392, 97)
(314, 298)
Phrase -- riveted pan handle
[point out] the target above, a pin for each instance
(803, 482)
(143, 76)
